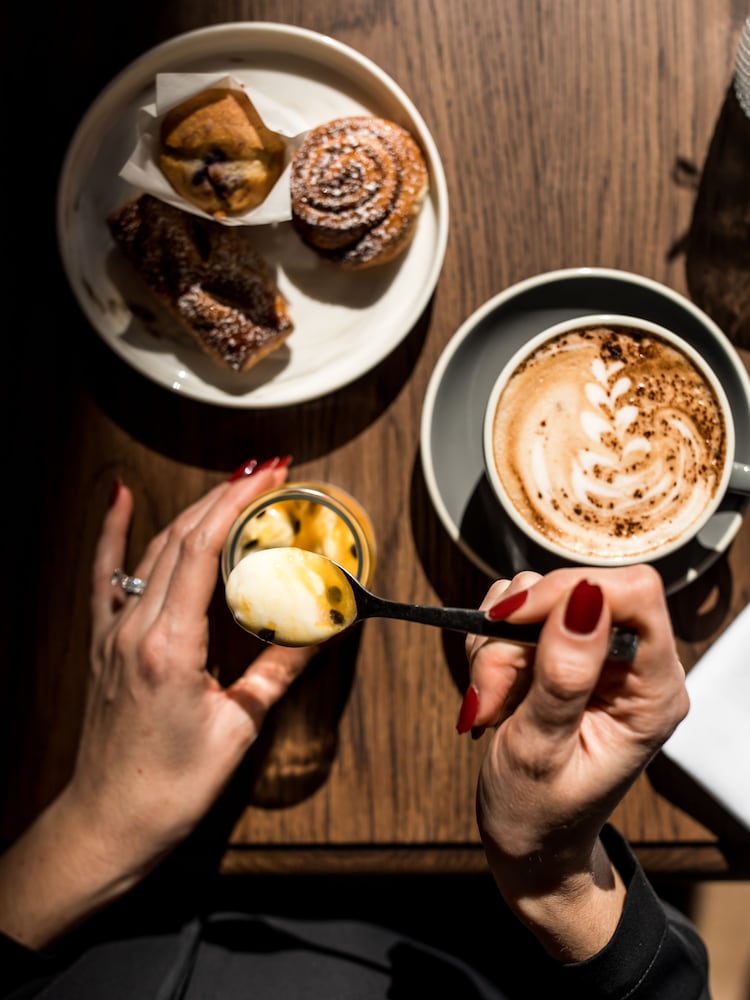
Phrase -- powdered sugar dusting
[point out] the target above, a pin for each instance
(357, 185)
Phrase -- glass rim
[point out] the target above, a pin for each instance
(362, 534)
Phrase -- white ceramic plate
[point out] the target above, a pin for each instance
(345, 323)
(453, 410)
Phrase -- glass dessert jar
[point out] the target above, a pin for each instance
(316, 516)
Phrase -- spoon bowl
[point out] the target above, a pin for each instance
(291, 597)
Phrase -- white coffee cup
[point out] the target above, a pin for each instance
(609, 448)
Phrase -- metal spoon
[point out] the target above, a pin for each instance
(292, 597)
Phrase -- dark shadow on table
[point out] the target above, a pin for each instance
(717, 245)
(219, 438)
(700, 609)
(679, 788)
(298, 742)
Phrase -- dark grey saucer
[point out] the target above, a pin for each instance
(453, 410)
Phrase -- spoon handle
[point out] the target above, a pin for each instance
(622, 647)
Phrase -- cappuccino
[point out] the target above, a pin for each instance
(608, 443)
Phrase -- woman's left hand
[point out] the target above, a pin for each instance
(161, 736)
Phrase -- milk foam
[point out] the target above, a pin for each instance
(609, 444)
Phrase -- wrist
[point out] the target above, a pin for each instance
(57, 874)
(573, 912)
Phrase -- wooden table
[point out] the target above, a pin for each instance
(559, 127)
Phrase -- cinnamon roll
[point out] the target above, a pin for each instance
(357, 186)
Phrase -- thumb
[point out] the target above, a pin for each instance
(268, 678)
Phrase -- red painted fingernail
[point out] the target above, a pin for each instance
(276, 463)
(507, 606)
(251, 466)
(246, 469)
(273, 463)
(114, 492)
(469, 709)
(584, 608)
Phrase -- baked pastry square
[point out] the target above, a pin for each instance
(219, 290)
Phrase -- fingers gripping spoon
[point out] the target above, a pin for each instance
(291, 597)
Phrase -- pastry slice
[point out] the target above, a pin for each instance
(218, 289)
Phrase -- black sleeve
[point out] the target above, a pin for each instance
(23, 972)
(655, 951)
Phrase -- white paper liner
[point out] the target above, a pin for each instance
(142, 169)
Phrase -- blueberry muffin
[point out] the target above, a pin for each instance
(218, 154)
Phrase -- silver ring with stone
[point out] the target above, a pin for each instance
(130, 584)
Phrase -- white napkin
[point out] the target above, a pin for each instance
(712, 743)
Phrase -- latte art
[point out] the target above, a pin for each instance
(609, 442)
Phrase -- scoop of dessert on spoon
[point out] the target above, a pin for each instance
(292, 597)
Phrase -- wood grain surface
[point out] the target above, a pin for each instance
(559, 126)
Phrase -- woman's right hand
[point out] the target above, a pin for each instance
(574, 731)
